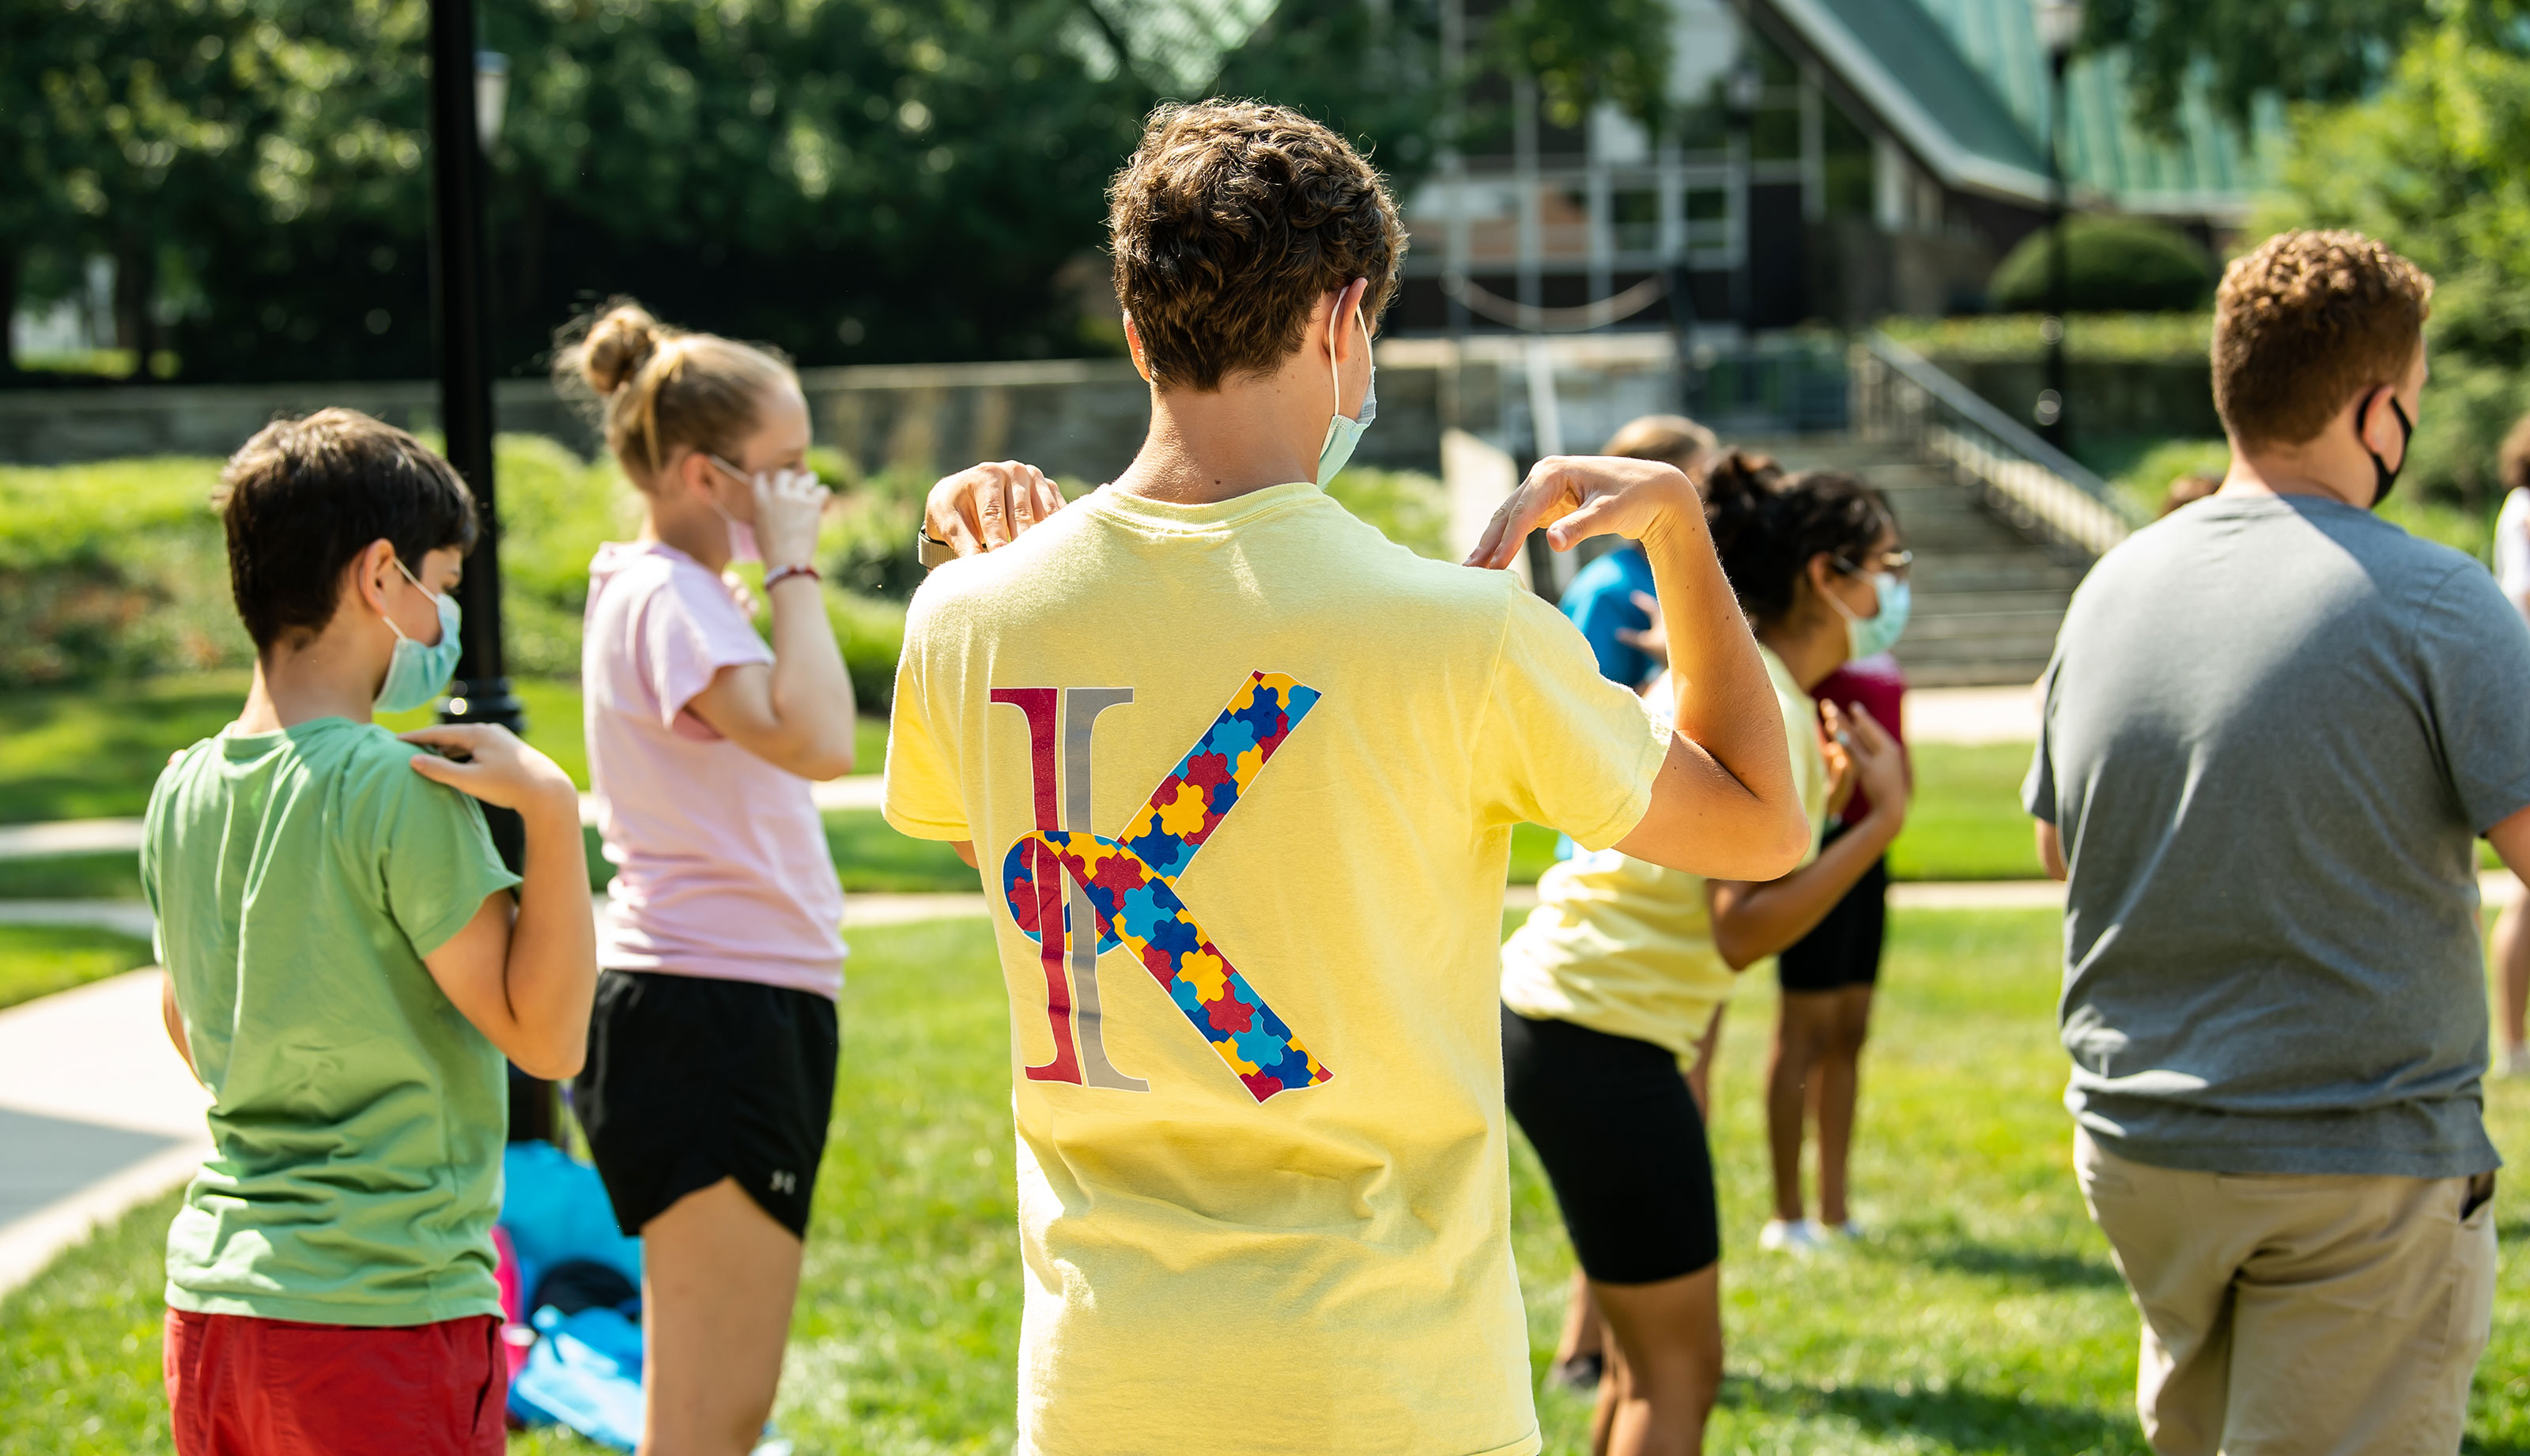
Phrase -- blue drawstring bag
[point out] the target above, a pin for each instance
(555, 1208)
(585, 1369)
(585, 1374)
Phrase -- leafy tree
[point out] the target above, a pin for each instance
(2302, 50)
(2434, 166)
(847, 179)
(1585, 53)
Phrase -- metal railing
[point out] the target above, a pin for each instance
(1898, 395)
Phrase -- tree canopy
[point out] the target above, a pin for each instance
(2433, 165)
(2300, 50)
(847, 179)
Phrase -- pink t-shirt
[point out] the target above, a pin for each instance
(721, 865)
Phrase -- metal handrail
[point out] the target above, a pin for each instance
(2042, 488)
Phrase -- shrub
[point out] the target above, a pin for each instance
(1412, 510)
(2089, 338)
(117, 570)
(2112, 264)
(111, 570)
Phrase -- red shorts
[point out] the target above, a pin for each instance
(243, 1386)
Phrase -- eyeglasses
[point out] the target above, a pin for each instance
(1894, 562)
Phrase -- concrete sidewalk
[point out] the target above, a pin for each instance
(97, 1114)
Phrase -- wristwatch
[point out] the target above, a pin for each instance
(929, 550)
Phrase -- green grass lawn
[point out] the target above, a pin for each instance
(1964, 821)
(1981, 1316)
(40, 959)
(75, 753)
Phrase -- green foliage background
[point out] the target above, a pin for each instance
(854, 180)
(118, 569)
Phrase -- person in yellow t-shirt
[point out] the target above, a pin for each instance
(1610, 984)
(1242, 775)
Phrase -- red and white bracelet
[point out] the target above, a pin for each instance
(780, 574)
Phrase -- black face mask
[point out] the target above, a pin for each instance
(2383, 477)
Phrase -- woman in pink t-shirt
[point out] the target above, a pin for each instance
(711, 1070)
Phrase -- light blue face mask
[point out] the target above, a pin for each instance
(1344, 434)
(1870, 636)
(416, 672)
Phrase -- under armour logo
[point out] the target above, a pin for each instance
(1128, 886)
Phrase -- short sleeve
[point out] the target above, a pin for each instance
(2475, 655)
(2038, 789)
(1558, 743)
(690, 629)
(920, 793)
(436, 859)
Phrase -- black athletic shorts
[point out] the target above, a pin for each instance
(1844, 950)
(691, 1080)
(1614, 1124)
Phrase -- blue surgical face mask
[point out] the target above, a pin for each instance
(1870, 636)
(416, 672)
(1344, 434)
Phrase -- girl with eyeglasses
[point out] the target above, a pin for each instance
(1613, 980)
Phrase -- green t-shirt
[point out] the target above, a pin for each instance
(357, 1118)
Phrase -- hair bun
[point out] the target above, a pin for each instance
(618, 345)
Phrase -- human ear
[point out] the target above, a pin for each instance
(1134, 347)
(374, 573)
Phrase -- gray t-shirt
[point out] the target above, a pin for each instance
(2274, 729)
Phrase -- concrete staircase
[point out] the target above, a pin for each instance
(1988, 598)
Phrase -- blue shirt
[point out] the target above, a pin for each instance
(1601, 603)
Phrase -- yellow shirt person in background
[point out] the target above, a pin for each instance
(1612, 980)
(1241, 776)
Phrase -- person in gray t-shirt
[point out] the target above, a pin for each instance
(2275, 727)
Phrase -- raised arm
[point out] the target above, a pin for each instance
(1723, 804)
(799, 713)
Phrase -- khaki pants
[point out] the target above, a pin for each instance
(2298, 1316)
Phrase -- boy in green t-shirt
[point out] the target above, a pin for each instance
(346, 968)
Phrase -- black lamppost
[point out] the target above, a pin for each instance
(2060, 29)
(467, 91)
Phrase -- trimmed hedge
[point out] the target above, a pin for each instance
(2112, 265)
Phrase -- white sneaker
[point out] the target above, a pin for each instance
(1795, 1236)
(2513, 1063)
(1847, 1233)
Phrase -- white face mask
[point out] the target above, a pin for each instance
(1344, 434)
(742, 536)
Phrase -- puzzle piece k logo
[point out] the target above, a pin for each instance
(1129, 885)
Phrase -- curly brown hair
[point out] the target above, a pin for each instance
(2304, 323)
(1229, 223)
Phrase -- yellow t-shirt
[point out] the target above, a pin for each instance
(1262, 1163)
(1623, 946)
